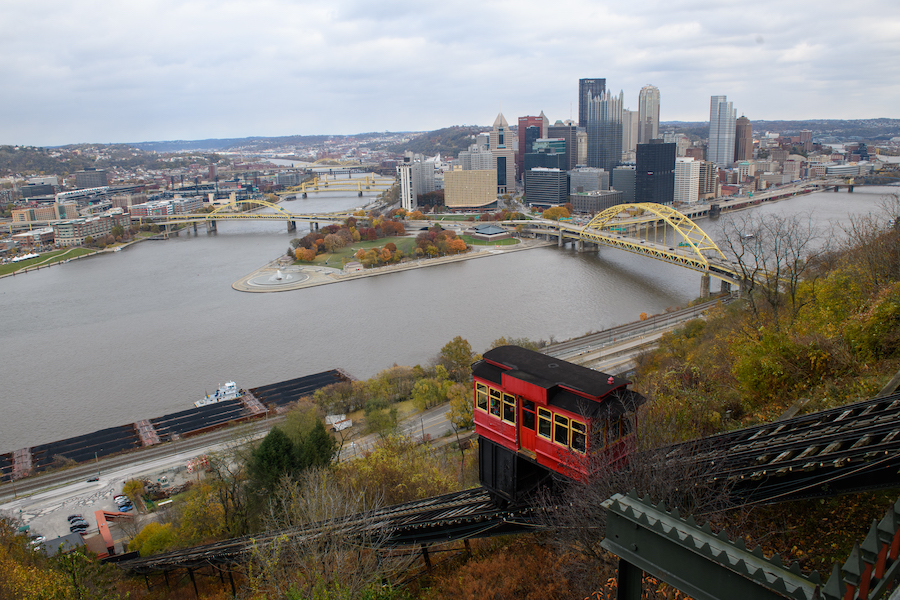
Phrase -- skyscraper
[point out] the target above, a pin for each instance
(604, 130)
(586, 88)
(743, 139)
(648, 114)
(721, 132)
(501, 145)
(568, 133)
(541, 122)
(629, 133)
(655, 173)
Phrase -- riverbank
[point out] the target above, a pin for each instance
(276, 278)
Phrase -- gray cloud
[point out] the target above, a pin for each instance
(133, 71)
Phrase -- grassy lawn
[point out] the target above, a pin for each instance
(336, 259)
(48, 258)
(473, 242)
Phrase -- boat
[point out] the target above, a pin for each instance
(225, 392)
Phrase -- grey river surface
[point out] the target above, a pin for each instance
(144, 332)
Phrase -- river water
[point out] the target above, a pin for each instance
(147, 331)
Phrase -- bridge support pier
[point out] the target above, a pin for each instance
(211, 226)
(292, 226)
(195, 226)
(704, 286)
(725, 287)
(579, 245)
(561, 242)
(850, 189)
(304, 195)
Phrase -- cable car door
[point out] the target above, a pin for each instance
(527, 423)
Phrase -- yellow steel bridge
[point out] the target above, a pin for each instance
(653, 230)
(370, 183)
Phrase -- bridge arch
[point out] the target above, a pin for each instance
(610, 220)
(220, 210)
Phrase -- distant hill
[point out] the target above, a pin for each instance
(248, 143)
(447, 141)
(867, 129)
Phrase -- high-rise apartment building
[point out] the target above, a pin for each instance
(687, 180)
(721, 132)
(604, 130)
(586, 89)
(503, 150)
(629, 134)
(655, 173)
(648, 114)
(743, 139)
(569, 133)
(541, 122)
(416, 178)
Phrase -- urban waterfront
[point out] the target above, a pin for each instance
(144, 332)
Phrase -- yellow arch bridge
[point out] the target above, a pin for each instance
(370, 183)
(648, 229)
(239, 210)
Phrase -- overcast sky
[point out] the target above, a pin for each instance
(144, 70)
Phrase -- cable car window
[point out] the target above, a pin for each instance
(627, 426)
(481, 396)
(561, 430)
(495, 402)
(579, 436)
(544, 423)
(509, 408)
(613, 434)
(528, 414)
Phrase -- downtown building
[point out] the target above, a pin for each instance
(470, 189)
(530, 129)
(502, 144)
(623, 179)
(546, 187)
(604, 131)
(743, 139)
(586, 89)
(569, 133)
(629, 134)
(655, 173)
(687, 180)
(90, 178)
(648, 114)
(721, 132)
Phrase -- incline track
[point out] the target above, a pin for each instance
(847, 449)
(457, 515)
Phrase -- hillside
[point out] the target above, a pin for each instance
(447, 141)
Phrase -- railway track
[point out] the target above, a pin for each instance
(451, 516)
(851, 448)
(846, 449)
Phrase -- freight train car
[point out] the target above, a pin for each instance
(540, 418)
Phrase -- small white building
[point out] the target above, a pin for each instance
(687, 180)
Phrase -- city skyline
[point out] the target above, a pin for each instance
(171, 70)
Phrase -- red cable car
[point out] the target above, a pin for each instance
(537, 416)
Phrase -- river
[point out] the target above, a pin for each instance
(147, 331)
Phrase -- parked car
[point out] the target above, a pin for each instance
(125, 507)
(71, 518)
(78, 527)
(120, 498)
(93, 479)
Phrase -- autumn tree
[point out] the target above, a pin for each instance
(556, 213)
(457, 357)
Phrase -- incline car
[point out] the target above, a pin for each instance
(539, 417)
